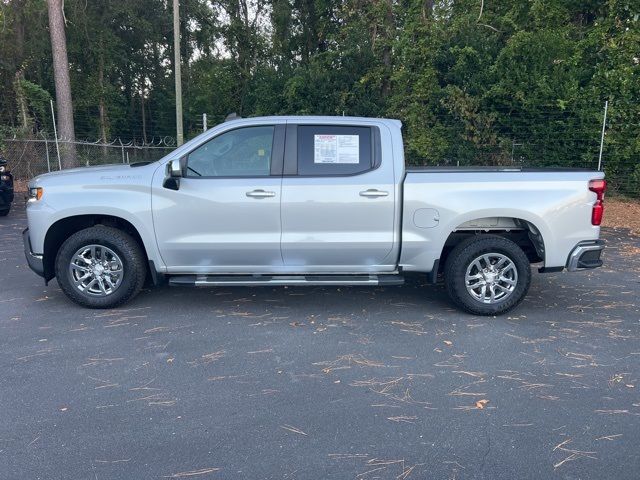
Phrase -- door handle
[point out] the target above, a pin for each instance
(260, 194)
(373, 193)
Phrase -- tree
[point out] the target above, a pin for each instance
(474, 82)
(64, 103)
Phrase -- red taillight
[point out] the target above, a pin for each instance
(598, 187)
(597, 212)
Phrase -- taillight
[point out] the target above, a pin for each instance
(598, 187)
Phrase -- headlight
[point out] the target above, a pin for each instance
(5, 178)
(35, 193)
(3, 168)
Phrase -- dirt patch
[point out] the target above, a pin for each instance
(622, 213)
(20, 185)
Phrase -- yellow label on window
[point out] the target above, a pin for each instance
(261, 152)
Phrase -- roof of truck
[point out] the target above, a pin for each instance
(320, 118)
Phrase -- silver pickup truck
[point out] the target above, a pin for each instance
(309, 201)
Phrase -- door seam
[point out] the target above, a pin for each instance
(284, 155)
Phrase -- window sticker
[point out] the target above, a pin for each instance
(336, 149)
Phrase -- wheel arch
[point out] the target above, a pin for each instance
(526, 234)
(63, 228)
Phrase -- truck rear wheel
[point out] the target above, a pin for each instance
(487, 275)
(100, 267)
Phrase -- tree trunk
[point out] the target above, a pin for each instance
(18, 64)
(18, 7)
(144, 116)
(387, 51)
(102, 108)
(281, 19)
(427, 10)
(310, 29)
(64, 103)
(21, 100)
(177, 73)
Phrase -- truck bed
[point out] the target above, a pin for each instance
(556, 203)
(485, 169)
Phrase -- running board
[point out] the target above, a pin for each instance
(267, 280)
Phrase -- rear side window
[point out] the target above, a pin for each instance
(333, 150)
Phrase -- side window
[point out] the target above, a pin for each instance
(334, 150)
(244, 152)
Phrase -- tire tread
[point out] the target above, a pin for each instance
(467, 250)
(133, 261)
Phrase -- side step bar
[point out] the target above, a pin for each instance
(270, 280)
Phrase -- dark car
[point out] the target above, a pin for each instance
(6, 188)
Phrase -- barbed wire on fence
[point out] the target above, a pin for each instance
(162, 141)
(29, 157)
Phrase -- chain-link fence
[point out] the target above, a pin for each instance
(548, 136)
(30, 157)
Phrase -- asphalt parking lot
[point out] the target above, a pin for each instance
(317, 383)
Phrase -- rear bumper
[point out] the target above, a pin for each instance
(585, 255)
(35, 261)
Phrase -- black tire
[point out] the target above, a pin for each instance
(462, 256)
(133, 260)
(5, 212)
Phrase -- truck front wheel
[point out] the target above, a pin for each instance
(100, 267)
(487, 275)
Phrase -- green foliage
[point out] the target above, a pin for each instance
(38, 101)
(474, 82)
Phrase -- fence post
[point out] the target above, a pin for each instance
(204, 122)
(604, 124)
(46, 149)
(55, 133)
(122, 149)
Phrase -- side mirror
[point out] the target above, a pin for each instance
(177, 168)
(171, 183)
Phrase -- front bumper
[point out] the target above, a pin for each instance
(585, 255)
(34, 260)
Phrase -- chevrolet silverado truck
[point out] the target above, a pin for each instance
(6, 188)
(309, 201)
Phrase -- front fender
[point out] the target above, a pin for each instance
(127, 198)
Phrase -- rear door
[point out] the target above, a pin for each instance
(338, 199)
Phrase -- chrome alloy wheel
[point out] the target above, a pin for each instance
(491, 278)
(96, 270)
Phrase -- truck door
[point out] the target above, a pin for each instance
(338, 199)
(225, 216)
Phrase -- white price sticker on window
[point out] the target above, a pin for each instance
(336, 149)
